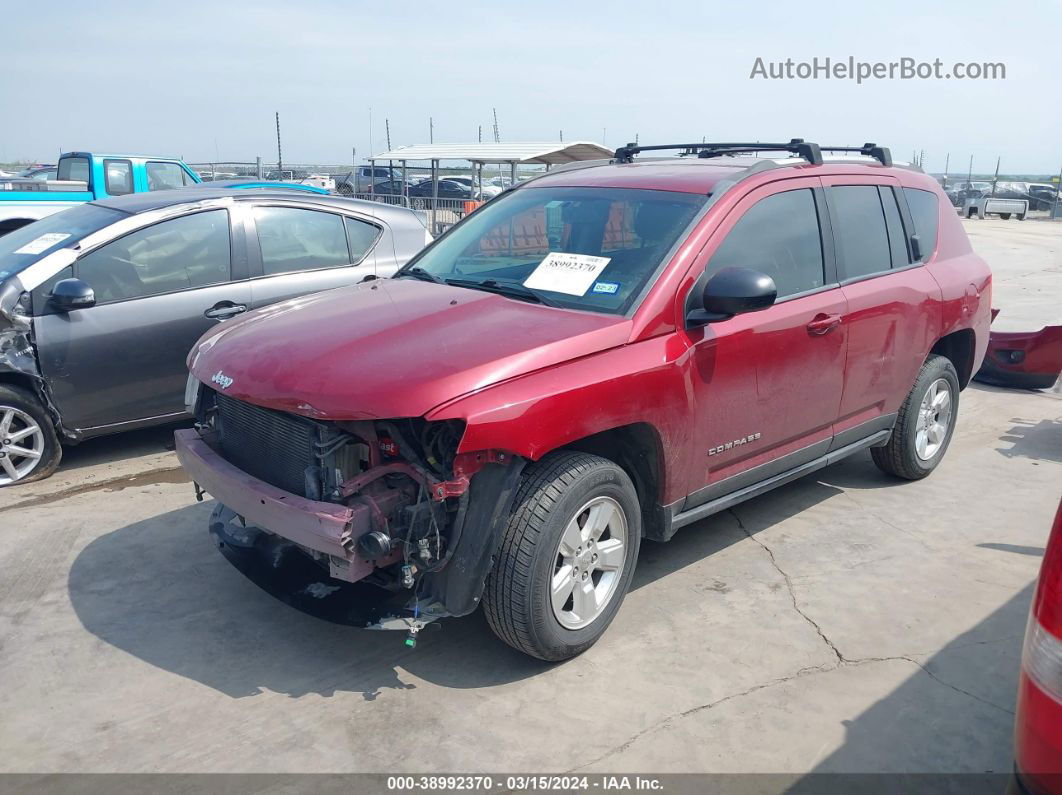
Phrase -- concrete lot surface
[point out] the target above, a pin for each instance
(845, 622)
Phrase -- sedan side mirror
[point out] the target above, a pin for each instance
(70, 294)
(734, 291)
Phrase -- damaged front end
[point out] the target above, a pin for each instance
(387, 503)
(1023, 359)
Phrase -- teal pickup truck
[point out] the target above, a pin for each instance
(82, 177)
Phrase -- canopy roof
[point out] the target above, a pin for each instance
(541, 152)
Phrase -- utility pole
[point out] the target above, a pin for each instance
(995, 179)
(562, 136)
(387, 128)
(497, 134)
(280, 157)
(969, 174)
(947, 162)
(353, 155)
(370, 131)
(481, 133)
(431, 130)
(604, 135)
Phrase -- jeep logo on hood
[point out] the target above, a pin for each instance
(221, 379)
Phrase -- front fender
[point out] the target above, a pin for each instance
(642, 383)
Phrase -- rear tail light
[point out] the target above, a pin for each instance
(1038, 723)
(1042, 659)
(1042, 656)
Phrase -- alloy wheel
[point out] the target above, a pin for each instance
(934, 419)
(589, 562)
(21, 444)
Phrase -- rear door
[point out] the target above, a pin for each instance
(893, 302)
(298, 250)
(158, 289)
(767, 384)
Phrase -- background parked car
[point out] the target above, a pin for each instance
(448, 189)
(100, 304)
(489, 191)
(39, 172)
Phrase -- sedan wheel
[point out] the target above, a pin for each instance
(29, 446)
(21, 444)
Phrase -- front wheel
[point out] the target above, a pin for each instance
(567, 556)
(29, 445)
(925, 423)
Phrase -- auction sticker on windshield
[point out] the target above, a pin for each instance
(571, 274)
(42, 243)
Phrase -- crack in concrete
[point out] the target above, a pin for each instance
(669, 719)
(789, 586)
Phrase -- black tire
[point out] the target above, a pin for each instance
(517, 596)
(22, 400)
(1005, 216)
(900, 456)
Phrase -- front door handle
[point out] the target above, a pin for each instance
(223, 310)
(823, 324)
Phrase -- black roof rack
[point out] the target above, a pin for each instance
(811, 152)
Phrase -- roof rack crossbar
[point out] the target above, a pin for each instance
(879, 153)
(811, 152)
(797, 146)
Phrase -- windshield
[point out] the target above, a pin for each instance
(29, 243)
(581, 248)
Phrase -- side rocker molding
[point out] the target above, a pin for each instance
(680, 518)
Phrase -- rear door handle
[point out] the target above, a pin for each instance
(223, 310)
(823, 324)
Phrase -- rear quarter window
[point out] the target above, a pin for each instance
(925, 214)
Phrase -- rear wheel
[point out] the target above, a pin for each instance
(925, 423)
(1005, 216)
(567, 556)
(29, 446)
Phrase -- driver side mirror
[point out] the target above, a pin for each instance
(733, 291)
(70, 294)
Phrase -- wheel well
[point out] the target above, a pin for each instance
(959, 348)
(19, 380)
(638, 449)
(11, 224)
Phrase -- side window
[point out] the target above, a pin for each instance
(779, 236)
(294, 239)
(924, 213)
(859, 230)
(118, 177)
(361, 237)
(74, 168)
(186, 252)
(166, 176)
(897, 238)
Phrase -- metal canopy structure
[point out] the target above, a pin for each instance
(548, 153)
(541, 153)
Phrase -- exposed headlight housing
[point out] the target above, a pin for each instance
(192, 391)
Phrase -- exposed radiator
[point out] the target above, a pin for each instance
(270, 445)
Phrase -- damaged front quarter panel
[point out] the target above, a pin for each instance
(16, 350)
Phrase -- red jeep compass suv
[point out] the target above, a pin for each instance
(608, 352)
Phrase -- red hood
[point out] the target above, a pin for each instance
(391, 348)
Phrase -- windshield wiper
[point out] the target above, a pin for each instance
(418, 272)
(508, 289)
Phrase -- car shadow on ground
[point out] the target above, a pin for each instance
(1040, 440)
(160, 590)
(958, 706)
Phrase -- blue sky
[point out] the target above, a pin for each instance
(203, 79)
